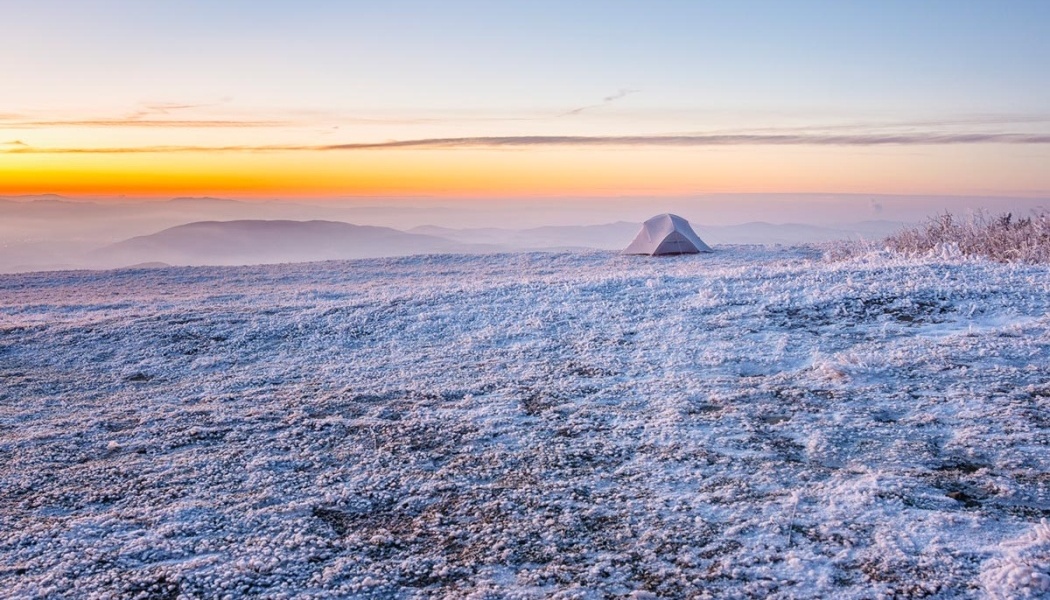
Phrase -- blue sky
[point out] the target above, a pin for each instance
(912, 57)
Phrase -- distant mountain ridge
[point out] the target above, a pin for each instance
(609, 236)
(276, 241)
(35, 198)
(760, 232)
(261, 241)
(615, 236)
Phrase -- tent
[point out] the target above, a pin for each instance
(667, 234)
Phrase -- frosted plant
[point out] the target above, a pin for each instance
(1002, 238)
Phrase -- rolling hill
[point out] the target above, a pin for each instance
(260, 242)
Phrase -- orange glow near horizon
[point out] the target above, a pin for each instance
(518, 172)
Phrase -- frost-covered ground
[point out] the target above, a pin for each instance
(753, 423)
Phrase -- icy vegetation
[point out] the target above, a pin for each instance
(1002, 238)
(755, 423)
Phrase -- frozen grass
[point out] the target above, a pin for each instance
(748, 424)
(1002, 238)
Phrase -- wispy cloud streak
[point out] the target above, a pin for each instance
(136, 122)
(606, 100)
(912, 139)
(26, 149)
(708, 140)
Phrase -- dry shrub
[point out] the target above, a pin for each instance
(1002, 238)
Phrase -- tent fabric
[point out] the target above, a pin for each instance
(666, 234)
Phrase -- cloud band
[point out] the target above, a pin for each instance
(913, 139)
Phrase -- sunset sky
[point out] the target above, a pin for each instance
(313, 99)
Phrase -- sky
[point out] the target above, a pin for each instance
(538, 99)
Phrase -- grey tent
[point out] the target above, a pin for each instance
(667, 234)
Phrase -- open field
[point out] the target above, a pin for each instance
(749, 424)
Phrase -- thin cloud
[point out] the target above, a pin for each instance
(980, 120)
(166, 107)
(155, 149)
(886, 127)
(707, 140)
(137, 122)
(606, 100)
(148, 114)
(150, 109)
(856, 140)
(619, 94)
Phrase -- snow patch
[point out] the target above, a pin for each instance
(751, 423)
